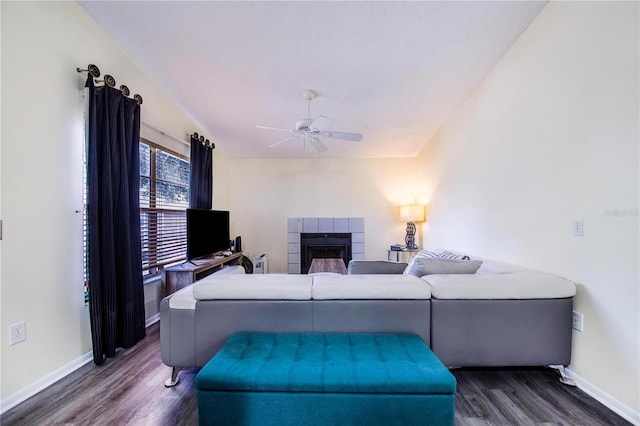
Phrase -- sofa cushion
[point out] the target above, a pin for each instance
(254, 287)
(366, 287)
(183, 298)
(493, 267)
(427, 266)
(521, 285)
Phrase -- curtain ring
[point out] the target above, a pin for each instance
(205, 142)
(138, 99)
(125, 90)
(108, 80)
(91, 69)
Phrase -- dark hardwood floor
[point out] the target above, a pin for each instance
(129, 390)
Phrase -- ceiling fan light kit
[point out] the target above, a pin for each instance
(310, 130)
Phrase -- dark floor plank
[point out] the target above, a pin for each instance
(129, 390)
(519, 396)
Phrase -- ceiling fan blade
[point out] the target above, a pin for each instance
(275, 128)
(356, 137)
(318, 145)
(283, 141)
(320, 123)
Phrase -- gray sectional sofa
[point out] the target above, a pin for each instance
(501, 315)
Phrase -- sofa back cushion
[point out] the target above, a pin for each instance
(254, 287)
(368, 287)
(520, 285)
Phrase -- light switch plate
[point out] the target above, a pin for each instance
(578, 228)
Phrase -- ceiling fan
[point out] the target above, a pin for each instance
(311, 130)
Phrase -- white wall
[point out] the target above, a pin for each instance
(222, 180)
(264, 193)
(41, 175)
(550, 136)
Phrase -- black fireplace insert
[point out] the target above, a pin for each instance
(324, 246)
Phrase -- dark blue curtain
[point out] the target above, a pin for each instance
(116, 298)
(200, 186)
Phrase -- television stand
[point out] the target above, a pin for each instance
(178, 276)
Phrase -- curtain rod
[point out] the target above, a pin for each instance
(108, 80)
(165, 133)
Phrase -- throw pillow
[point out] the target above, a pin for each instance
(425, 266)
(428, 254)
(450, 255)
(434, 255)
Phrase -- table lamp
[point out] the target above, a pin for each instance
(411, 214)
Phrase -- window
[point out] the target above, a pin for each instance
(164, 198)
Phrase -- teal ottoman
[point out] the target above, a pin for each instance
(325, 379)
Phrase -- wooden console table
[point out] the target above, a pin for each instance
(328, 265)
(178, 276)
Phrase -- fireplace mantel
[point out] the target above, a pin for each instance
(299, 225)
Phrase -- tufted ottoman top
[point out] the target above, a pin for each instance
(326, 362)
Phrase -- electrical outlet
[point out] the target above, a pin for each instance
(17, 332)
(578, 228)
(576, 321)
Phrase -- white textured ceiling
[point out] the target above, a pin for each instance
(393, 71)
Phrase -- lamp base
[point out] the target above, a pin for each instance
(411, 244)
(410, 239)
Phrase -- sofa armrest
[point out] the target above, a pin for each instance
(375, 267)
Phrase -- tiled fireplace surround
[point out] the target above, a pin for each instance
(298, 225)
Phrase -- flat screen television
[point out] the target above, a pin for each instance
(207, 232)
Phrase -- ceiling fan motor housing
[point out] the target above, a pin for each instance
(310, 130)
(308, 95)
(303, 125)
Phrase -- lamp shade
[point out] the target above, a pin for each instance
(412, 213)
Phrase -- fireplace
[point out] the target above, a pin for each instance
(323, 245)
(296, 226)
